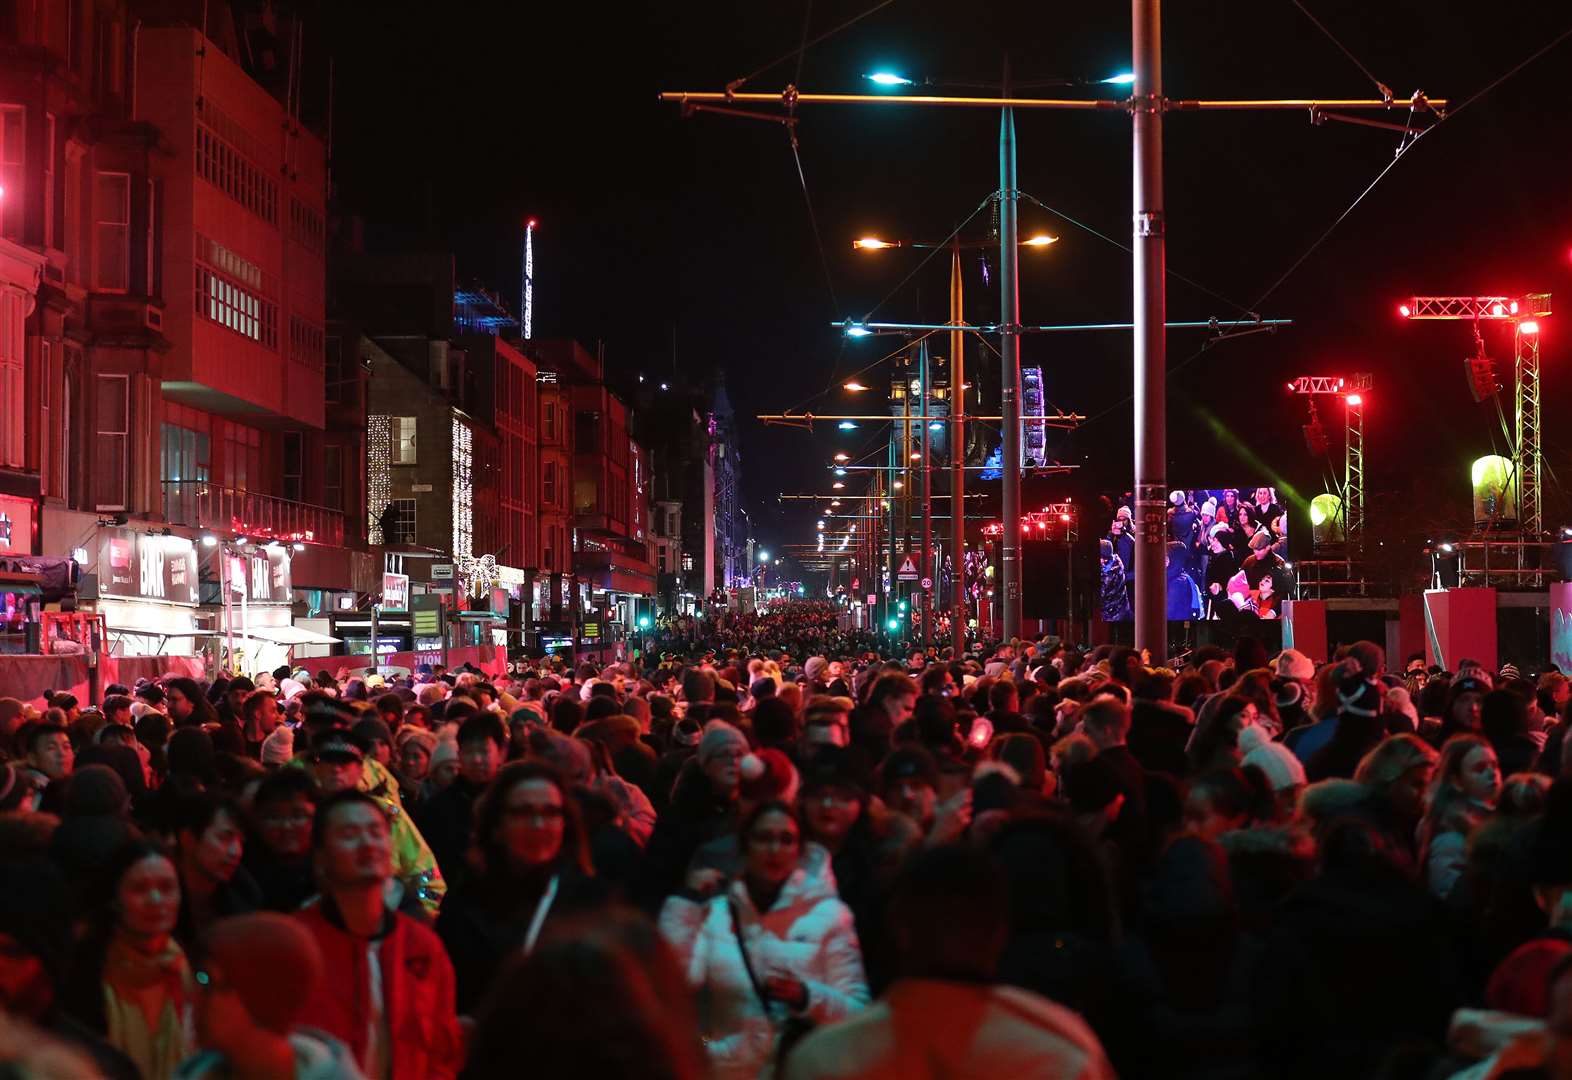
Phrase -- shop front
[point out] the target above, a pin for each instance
(252, 610)
(148, 589)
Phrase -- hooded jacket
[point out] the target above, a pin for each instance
(417, 992)
(807, 931)
(1184, 598)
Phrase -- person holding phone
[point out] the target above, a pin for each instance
(771, 953)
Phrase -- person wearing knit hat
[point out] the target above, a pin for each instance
(721, 738)
(1277, 763)
(814, 668)
(767, 776)
(1293, 664)
(279, 747)
(416, 747)
(444, 765)
(257, 976)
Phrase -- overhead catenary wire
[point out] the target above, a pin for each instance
(806, 45)
(1381, 87)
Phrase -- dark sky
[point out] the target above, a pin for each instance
(471, 117)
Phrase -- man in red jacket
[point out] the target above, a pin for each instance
(387, 985)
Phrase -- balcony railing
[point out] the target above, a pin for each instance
(202, 505)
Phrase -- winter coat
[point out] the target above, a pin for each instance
(807, 931)
(485, 920)
(318, 1056)
(447, 821)
(417, 992)
(1114, 597)
(1184, 599)
(1159, 732)
(928, 1029)
(694, 817)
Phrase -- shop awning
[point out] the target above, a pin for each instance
(288, 635)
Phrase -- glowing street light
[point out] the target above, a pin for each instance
(1039, 240)
(1124, 78)
(871, 243)
(837, 486)
(843, 456)
(887, 78)
(855, 387)
(857, 330)
(764, 556)
(840, 472)
(847, 425)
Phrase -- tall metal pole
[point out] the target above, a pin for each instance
(957, 457)
(1009, 379)
(1150, 311)
(925, 595)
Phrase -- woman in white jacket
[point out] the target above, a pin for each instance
(774, 946)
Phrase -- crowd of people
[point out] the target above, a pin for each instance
(749, 859)
(1226, 557)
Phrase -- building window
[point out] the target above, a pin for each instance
(153, 281)
(305, 343)
(230, 292)
(586, 431)
(220, 163)
(294, 461)
(401, 522)
(112, 231)
(113, 414)
(548, 413)
(49, 180)
(687, 560)
(671, 523)
(306, 227)
(13, 397)
(13, 127)
(46, 431)
(548, 493)
(333, 369)
(403, 433)
(242, 457)
(660, 559)
(333, 477)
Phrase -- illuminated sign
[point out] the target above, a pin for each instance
(136, 566)
(395, 592)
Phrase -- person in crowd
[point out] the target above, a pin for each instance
(130, 981)
(890, 702)
(339, 764)
(530, 867)
(447, 820)
(387, 986)
(187, 705)
(258, 973)
(703, 806)
(210, 837)
(945, 1015)
(279, 861)
(768, 952)
(1504, 719)
(1184, 597)
(50, 760)
(1396, 775)
(601, 996)
(1462, 796)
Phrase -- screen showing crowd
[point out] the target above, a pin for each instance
(1226, 555)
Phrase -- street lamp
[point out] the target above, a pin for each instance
(764, 556)
(843, 457)
(1125, 78)
(855, 387)
(1039, 240)
(857, 330)
(887, 78)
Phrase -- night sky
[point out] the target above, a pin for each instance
(456, 123)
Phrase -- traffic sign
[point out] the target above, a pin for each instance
(908, 570)
(927, 583)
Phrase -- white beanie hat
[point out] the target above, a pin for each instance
(279, 747)
(1281, 768)
(1293, 664)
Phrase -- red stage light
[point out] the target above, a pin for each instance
(1355, 399)
(1498, 310)
(1404, 310)
(1512, 307)
(1528, 327)
(1065, 518)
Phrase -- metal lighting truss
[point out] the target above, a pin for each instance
(1352, 390)
(1522, 312)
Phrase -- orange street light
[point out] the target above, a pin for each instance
(872, 243)
(855, 387)
(1040, 240)
(842, 457)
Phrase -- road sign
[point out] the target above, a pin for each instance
(908, 570)
(927, 583)
(441, 571)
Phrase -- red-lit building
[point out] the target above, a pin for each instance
(172, 368)
(608, 499)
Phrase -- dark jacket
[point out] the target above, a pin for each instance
(447, 821)
(484, 921)
(283, 885)
(1158, 735)
(694, 817)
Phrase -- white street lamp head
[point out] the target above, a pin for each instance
(857, 330)
(764, 556)
(1124, 78)
(887, 78)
